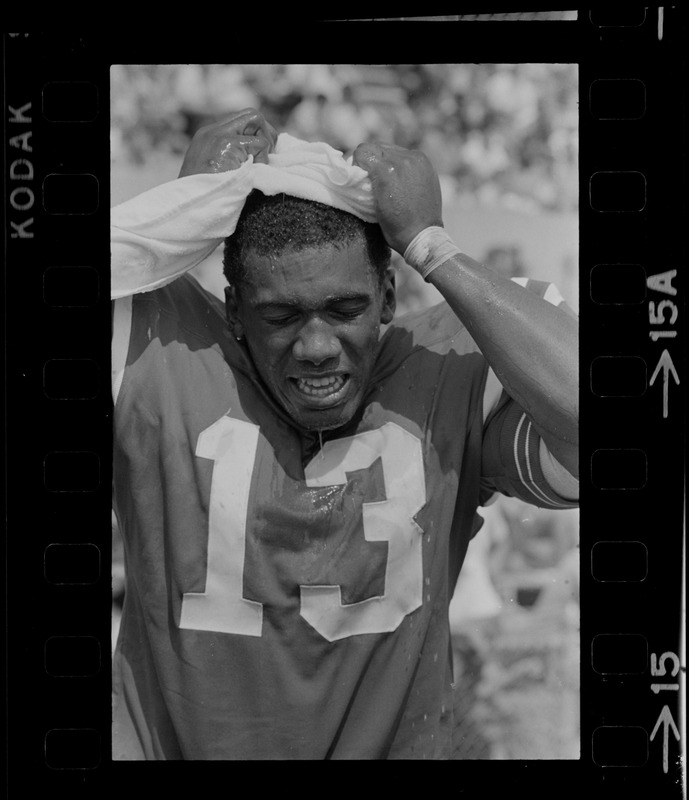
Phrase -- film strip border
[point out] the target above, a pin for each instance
(633, 400)
(58, 421)
(632, 307)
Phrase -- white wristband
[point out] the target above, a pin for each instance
(429, 249)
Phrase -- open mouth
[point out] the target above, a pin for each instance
(327, 389)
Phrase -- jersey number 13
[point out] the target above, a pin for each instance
(231, 444)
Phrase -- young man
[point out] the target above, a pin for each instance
(296, 491)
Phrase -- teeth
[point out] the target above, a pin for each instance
(319, 381)
(321, 386)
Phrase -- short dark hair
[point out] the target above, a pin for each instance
(269, 225)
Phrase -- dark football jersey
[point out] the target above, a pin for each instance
(287, 595)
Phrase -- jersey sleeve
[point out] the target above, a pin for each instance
(121, 333)
(511, 459)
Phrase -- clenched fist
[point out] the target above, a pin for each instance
(224, 146)
(406, 191)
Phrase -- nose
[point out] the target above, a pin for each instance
(316, 343)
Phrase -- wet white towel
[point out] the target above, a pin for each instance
(164, 232)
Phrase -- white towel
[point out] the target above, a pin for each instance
(164, 232)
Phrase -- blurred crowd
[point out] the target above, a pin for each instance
(498, 133)
(514, 619)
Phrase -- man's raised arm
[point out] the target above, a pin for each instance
(531, 345)
(183, 234)
(166, 231)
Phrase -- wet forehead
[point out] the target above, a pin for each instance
(312, 277)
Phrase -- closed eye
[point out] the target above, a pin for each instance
(282, 320)
(346, 314)
(348, 311)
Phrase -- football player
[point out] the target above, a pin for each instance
(297, 473)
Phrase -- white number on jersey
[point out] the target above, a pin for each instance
(231, 444)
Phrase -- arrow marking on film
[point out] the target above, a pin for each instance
(668, 367)
(665, 719)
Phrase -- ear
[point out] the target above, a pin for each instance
(389, 297)
(232, 312)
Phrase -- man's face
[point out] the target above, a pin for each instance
(312, 320)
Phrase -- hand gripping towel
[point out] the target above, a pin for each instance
(168, 230)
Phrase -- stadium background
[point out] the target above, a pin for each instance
(504, 140)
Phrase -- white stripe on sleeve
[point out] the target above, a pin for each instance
(559, 479)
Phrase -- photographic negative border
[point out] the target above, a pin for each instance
(632, 307)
